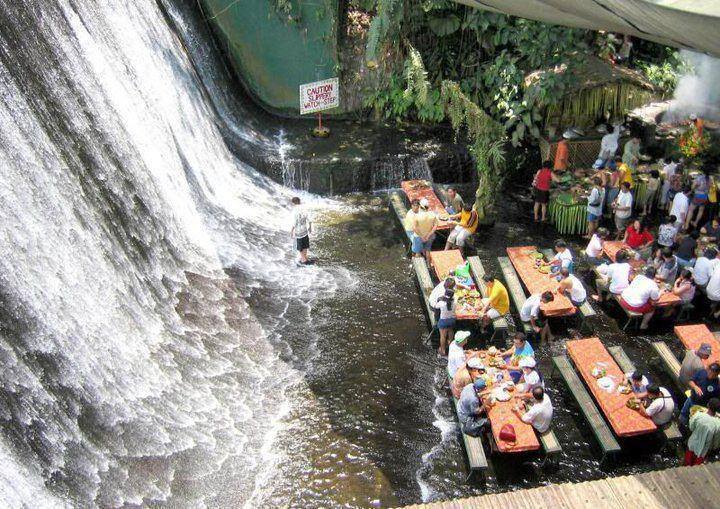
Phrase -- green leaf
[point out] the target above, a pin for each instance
(445, 25)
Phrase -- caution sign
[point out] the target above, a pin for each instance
(319, 96)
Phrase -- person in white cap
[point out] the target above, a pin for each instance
(456, 351)
(530, 378)
(423, 225)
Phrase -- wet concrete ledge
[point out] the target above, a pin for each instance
(687, 487)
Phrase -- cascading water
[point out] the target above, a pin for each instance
(133, 370)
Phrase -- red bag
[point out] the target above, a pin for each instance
(507, 434)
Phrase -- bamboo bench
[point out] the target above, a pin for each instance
(500, 325)
(631, 315)
(514, 287)
(477, 461)
(397, 204)
(599, 427)
(422, 275)
(670, 430)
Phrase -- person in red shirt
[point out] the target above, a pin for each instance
(638, 237)
(541, 191)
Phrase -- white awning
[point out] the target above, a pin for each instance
(691, 24)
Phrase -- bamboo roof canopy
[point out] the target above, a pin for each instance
(599, 90)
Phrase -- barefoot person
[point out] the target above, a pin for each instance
(300, 230)
(423, 226)
(463, 229)
(446, 304)
(541, 191)
(497, 302)
(641, 296)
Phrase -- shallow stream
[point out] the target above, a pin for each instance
(379, 428)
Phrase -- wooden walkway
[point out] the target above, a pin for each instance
(686, 487)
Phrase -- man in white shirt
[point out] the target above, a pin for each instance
(641, 296)
(623, 208)
(668, 171)
(614, 277)
(439, 291)
(608, 147)
(300, 230)
(680, 206)
(704, 267)
(595, 205)
(661, 406)
(530, 312)
(712, 290)
(540, 413)
(456, 351)
(594, 249)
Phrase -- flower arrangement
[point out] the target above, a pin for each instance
(692, 145)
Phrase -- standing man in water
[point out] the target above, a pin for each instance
(301, 230)
(423, 226)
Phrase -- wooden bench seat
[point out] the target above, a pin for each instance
(477, 461)
(500, 325)
(514, 288)
(670, 430)
(669, 361)
(422, 275)
(631, 315)
(397, 204)
(599, 427)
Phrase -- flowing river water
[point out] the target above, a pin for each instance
(158, 344)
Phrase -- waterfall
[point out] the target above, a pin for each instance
(132, 368)
(388, 173)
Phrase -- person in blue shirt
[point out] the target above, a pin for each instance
(521, 348)
(704, 385)
(471, 408)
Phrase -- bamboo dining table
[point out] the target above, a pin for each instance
(502, 413)
(537, 282)
(444, 263)
(590, 353)
(611, 249)
(692, 336)
(419, 189)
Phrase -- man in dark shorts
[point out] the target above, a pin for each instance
(300, 230)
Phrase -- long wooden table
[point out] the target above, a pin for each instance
(692, 336)
(537, 282)
(626, 422)
(419, 189)
(501, 413)
(611, 249)
(444, 263)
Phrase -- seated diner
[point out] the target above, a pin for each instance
(641, 296)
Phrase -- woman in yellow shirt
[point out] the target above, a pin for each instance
(497, 303)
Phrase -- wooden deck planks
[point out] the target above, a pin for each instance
(599, 427)
(687, 487)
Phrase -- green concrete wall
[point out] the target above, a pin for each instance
(274, 54)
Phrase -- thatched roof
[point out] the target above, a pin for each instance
(595, 73)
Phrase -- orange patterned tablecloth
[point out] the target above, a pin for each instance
(586, 354)
(419, 189)
(611, 248)
(444, 262)
(500, 414)
(537, 282)
(692, 336)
